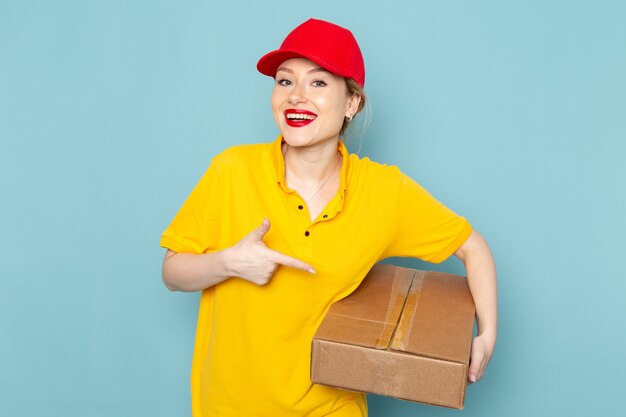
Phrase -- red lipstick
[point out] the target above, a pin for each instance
(299, 118)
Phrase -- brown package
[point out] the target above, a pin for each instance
(404, 333)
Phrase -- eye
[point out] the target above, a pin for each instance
(319, 83)
(284, 82)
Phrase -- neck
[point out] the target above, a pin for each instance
(310, 164)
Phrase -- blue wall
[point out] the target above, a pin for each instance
(511, 113)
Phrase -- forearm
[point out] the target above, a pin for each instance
(481, 276)
(193, 272)
(249, 259)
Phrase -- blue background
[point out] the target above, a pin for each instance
(511, 113)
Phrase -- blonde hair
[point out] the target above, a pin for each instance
(353, 88)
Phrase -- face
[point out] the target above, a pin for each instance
(309, 103)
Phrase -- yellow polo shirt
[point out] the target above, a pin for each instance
(253, 343)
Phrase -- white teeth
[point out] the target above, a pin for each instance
(300, 116)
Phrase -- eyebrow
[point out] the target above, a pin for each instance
(289, 70)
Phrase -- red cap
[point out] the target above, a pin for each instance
(329, 45)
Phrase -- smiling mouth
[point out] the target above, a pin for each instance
(299, 118)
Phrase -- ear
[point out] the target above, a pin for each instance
(353, 105)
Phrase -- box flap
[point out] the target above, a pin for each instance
(370, 314)
(421, 330)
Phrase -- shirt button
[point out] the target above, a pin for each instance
(300, 207)
(306, 233)
(325, 215)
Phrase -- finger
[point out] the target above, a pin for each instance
(261, 231)
(475, 367)
(483, 368)
(281, 258)
(481, 371)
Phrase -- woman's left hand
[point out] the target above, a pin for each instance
(482, 349)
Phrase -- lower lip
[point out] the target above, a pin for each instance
(298, 122)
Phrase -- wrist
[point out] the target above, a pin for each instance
(487, 325)
(489, 334)
(227, 258)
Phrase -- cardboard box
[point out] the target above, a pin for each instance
(404, 333)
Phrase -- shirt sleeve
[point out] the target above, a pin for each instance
(196, 226)
(426, 229)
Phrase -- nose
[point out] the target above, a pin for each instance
(297, 95)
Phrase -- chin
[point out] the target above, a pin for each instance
(300, 139)
(296, 141)
(296, 138)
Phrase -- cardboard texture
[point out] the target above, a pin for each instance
(403, 333)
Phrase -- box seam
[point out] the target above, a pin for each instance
(406, 296)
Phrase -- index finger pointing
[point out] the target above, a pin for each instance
(281, 258)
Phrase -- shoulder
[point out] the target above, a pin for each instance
(235, 155)
(374, 173)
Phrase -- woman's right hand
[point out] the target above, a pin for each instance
(252, 260)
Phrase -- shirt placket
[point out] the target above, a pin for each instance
(303, 226)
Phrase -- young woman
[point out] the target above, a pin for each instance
(274, 233)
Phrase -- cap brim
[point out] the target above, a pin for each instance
(269, 63)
